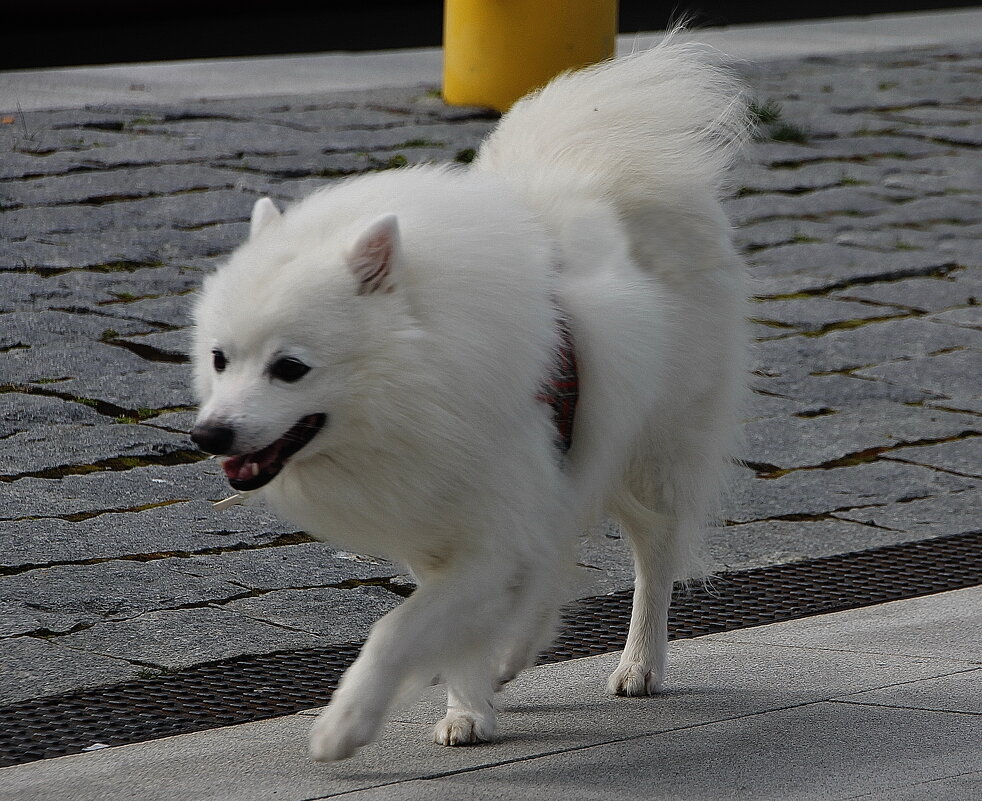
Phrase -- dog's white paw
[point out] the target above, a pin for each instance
(635, 679)
(339, 733)
(465, 728)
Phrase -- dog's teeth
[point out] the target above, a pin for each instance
(255, 469)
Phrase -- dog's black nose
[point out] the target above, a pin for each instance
(213, 437)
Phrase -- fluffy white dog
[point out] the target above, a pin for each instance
(397, 361)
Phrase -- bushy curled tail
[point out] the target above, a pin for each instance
(662, 121)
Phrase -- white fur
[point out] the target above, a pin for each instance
(599, 192)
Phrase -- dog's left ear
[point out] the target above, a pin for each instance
(374, 257)
(263, 213)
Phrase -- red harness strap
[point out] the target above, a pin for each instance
(562, 388)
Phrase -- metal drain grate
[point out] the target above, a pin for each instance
(251, 688)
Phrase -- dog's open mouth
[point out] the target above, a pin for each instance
(250, 471)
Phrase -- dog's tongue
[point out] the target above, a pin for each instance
(240, 468)
(249, 465)
(250, 471)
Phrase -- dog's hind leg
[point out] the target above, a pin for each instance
(532, 628)
(652, 536)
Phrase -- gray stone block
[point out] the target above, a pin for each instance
(815, 314)
(46, 327)
(810, 441)
(863, 346)
(165, 347)
(955, 512)
(170, 310)
(953, 373)
(335, 616)
(94, 187)
(180, 638)
(807, 493)
(120, 589)
(955, 210)
(922, 294)
(817, 267)
(821, 202)
(75, 447)
(604, 563)
(94, 493)
(773, 542)
(33, 668)
(968, 316)
(18, 618)
(822, 393)
(181, 211)
(763, 405)
(756, 236)
(306, 565)
(962, 456)
(143, 386)
(173, 528)
(21, 412)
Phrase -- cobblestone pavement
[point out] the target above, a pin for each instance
(862, 215)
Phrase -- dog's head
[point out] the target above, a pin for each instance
(280, 333)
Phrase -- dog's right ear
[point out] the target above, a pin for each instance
(263, 213)
(374, 257)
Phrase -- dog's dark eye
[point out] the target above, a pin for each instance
(218, 360)
(289, 369)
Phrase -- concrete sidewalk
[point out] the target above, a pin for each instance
(876, 703)
(177, 81)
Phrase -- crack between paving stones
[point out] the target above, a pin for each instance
(936, 404)
(83, 311)
(149, 352)
(906, 708)
(103, 407)
(868, 158)
(841, 325)
(387, 583)
(770, 471)
(96, 201)
(113, 464)
(936, 271)
(79, 517)
(883, 792)
(123, 299)
(126, 266)
(296, 538)
(211, 161)
(813, 517)
(47, 634)
(939, 469)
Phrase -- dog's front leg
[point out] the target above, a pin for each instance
(438, 625)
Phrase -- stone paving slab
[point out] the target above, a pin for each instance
(860, 210)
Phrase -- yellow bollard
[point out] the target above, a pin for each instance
(495, 51)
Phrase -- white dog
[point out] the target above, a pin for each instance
(383, 360)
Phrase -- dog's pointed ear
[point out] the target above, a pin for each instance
(374, 257)
(263, 213)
